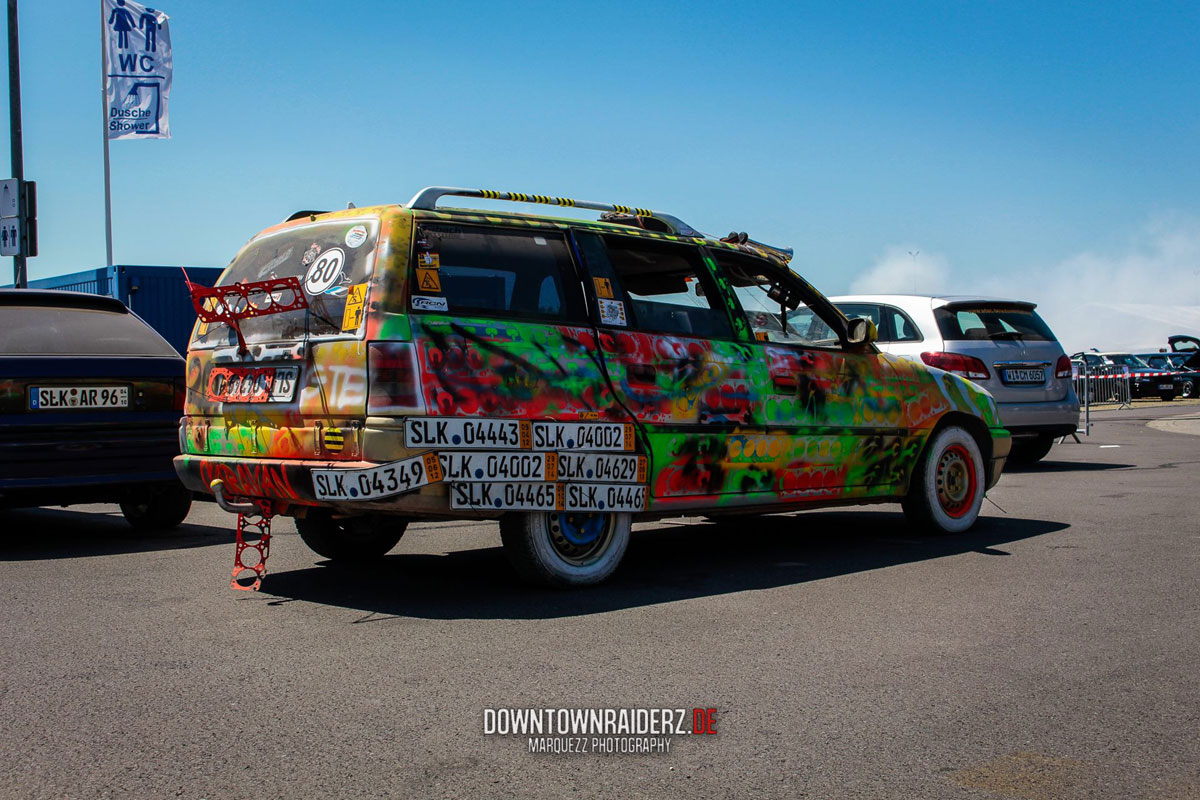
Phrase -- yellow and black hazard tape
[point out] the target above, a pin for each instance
(521, 197)
(334, 439)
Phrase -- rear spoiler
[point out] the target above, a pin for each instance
(985, 302)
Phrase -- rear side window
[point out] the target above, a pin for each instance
(983, 322)
(460, 269)
(52, 331)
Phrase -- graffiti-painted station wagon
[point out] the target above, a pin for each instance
(364, 368)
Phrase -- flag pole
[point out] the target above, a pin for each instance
(104, 133)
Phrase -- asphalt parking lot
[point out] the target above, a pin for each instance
(1051, 652)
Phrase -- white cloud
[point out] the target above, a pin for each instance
(1131, 298)
(904, 270)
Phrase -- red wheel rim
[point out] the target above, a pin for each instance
(956, 481)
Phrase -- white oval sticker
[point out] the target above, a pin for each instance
(325, 271)
(356, 235)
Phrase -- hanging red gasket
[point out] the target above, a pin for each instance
(245, 300)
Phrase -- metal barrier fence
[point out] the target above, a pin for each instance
(1101, 384)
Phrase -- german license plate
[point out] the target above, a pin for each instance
(1166, 387)
(495, 434)
(601, 468)
(374, 483)
(498, 466)
(519, 496)
(604, 497)
(1024, 376)
(511, 434)
(582, 436)
(52, 398)
(252, 384)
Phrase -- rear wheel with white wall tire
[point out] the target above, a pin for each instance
(565, 548)
(946, 490)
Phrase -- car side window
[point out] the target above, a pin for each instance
(902, 328)
(654, 286)
(869, 311)
(463, 269)
(771, 301)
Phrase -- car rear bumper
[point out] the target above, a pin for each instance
(290, 482)
(1023, 419)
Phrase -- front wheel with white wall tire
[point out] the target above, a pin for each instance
(565, 548)
(946, 490)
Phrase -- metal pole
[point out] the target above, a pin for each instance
(108, 258)
(20, 278)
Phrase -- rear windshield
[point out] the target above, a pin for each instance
(333, 261)
(982, 322)
(51, 331)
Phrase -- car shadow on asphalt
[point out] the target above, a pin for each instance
(666, 562)
(1062, 466)
(31, 534)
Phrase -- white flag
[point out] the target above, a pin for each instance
(138, 43)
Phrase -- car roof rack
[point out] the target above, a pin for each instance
(428, 197)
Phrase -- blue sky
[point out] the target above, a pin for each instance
(1000, 137)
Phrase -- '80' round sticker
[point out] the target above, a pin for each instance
(325, 271)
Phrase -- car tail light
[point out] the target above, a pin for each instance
(1063, 368)
(393, 377)
(966, 366)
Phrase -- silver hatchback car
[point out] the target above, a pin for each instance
(1002, 345)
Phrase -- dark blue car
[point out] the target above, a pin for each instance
(90, 400)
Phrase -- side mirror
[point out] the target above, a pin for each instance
(861, 331)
